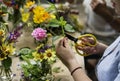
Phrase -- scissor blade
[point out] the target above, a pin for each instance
(71, 37)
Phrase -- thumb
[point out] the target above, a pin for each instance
(94, 3)
(104, 2)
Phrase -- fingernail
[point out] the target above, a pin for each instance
(66, 38)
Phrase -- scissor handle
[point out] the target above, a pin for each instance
(87, 43)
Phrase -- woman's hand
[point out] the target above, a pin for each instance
(95, 3)
(97, 49)
(67, 56)
(65, 52)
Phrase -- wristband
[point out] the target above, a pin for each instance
(75, 70)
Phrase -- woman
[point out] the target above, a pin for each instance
(108, 68)
(95, 23)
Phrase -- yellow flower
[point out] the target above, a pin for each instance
(7, 49)
(47, 80)
(2, 32)
(38, 47)
(38, 56)
(38, 9)
(35, 55)
(25, 17)
(10, 49)
(40, 15)
(2, 56)
(52, 16)
(29, 4)
(50, 54)
(37, 19)
(2, 53)
(21, 10)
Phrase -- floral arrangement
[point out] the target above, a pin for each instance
(39, 61)
(35, 15)
(46, 22)
(7, 49)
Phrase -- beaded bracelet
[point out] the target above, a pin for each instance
(75, 70)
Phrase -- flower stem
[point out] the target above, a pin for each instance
(63, 32)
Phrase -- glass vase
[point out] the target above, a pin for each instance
(5, 74)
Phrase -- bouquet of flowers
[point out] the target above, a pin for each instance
(46, 23)
(7, 49)
(36, 15)
(38, 63)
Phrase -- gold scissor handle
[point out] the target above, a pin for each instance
(85, 43)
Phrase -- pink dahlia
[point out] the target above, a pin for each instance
(1, 0)
(39, 33)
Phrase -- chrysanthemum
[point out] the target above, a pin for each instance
(40, 15)
(38, 9)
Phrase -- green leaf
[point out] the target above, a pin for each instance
(53, 23)
(26, 60)
(51, 7)
(69, 28)
(62, 21)
(55, 38)
(7, 63)
(25, 51)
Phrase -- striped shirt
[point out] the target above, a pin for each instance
(108, 68)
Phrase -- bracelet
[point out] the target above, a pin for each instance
(75, 70)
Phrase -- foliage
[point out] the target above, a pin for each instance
(36, 15)
(46, 23)
(38, 64)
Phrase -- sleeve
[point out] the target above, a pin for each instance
(118, 76)
(106, 14)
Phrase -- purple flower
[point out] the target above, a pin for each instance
(13, 36)
(13, 2)
(39, 34)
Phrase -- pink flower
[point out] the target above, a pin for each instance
(1, 0)
(39, 34)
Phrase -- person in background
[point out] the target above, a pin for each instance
(97, 25)
(108, 67)
(70, 1)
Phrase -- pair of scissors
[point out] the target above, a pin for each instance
(79, 42)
